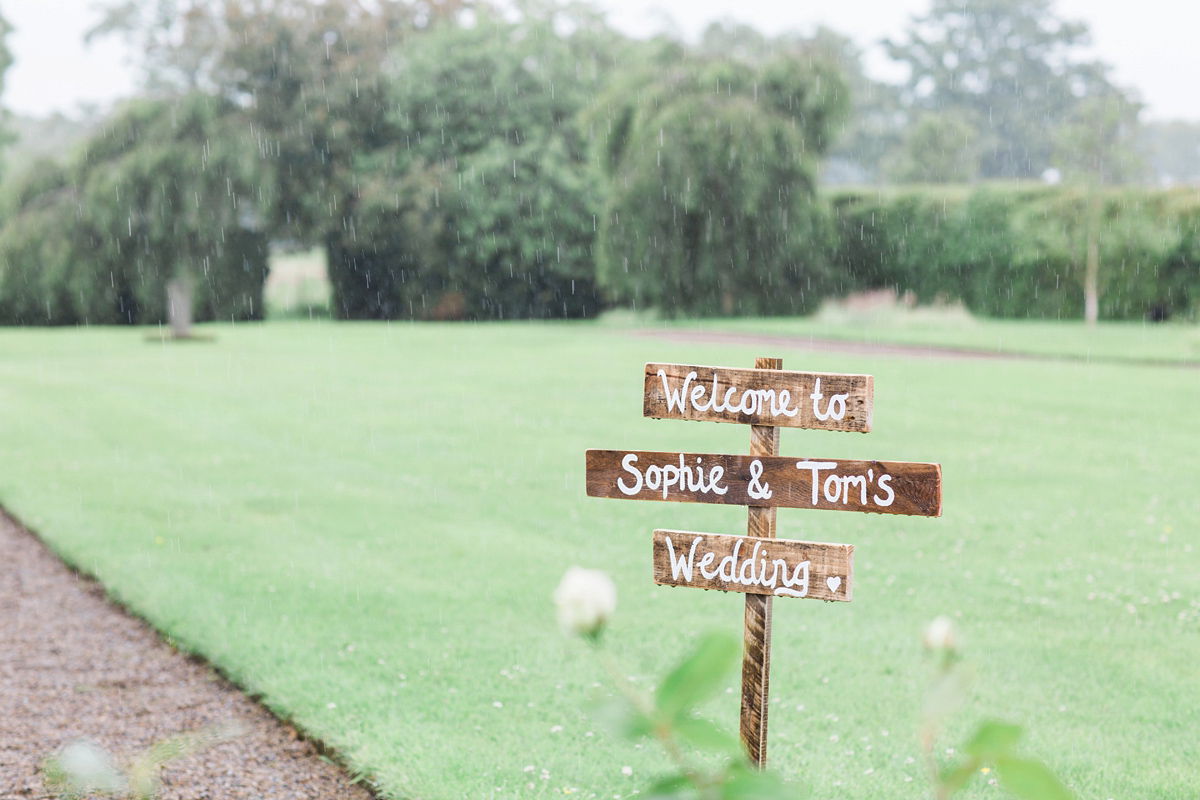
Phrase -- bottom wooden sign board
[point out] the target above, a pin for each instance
(778, 567)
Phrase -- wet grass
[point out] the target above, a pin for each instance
(951, 327)
(364, 523)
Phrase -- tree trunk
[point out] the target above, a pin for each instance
(179, 307)
(1091, 274)
(1091, 282)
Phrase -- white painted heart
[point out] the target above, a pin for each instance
(833, 583)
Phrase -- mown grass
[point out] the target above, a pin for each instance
(364, 523)
(951, 327)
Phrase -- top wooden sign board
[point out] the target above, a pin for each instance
(819, 400)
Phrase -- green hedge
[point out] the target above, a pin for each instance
(508, 236)
(1018, 251)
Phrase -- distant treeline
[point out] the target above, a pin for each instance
(1021, 251)
(466, 165)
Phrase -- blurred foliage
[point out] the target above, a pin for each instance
(7, 136)
(483, 207)
(1096, 143)
(706, 762)
(939, 147)
(167, 189)
(456, 90)
(459, 161)
(993, 745)
(508, 237)
(1011, 66)
(711, 168)
(1020, 251)
(306, 76)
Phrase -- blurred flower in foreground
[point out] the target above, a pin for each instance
(586, 598)
(939, 635)
(81, 767)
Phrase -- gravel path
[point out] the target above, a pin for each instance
(74, 664)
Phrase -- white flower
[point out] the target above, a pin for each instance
(627, 771)
(82, 767)
(586, 598)
(939, 635)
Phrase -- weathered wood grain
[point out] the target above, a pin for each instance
(883, 487)
(770, 567)
(756, 631)
(760, 396)
(756, 678)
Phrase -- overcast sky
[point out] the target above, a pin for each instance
(1151, 44)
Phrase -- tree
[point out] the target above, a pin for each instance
(483, 205)
(1096, 146)
(177, 41)
(712, 175)
(6, 60)
(1093, 234)
(939, 147)
(876, 121)
(307, 76)
(456, 90)
(1011, 66)
(160, 209)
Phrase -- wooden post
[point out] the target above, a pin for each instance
(756, 656)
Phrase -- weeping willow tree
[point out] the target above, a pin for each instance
(155, 221)
(712, 177)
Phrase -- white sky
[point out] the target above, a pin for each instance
(1152, 44)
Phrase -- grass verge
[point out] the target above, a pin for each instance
(364, 523)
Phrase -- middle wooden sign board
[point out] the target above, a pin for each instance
(760, 566)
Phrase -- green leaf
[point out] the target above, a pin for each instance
(993, 740)
(1031, 780)
(669, 788)
(617, 717)
(707, 735)
(744, 782)
(699, 676)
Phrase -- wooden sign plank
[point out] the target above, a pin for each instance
(820, 400)
(881, 487)
(773, 567)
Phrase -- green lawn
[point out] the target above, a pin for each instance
(1127, 342)
(364, 522)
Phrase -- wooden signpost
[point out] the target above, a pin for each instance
(758, 565)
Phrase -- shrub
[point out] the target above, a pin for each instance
(1018, 251)
(509, 236)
